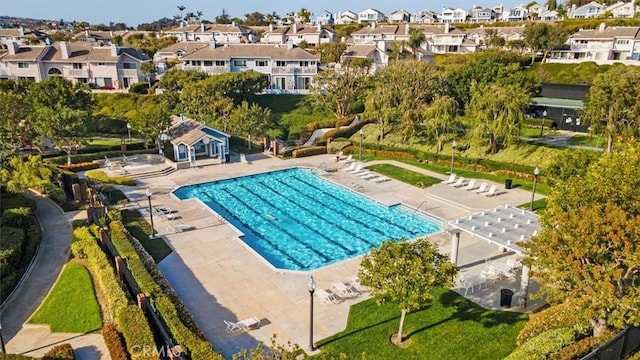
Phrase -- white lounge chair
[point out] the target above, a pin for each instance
(326, 297)
(369, 176)
(380, 179)
(356, 169)
(348, 159)
(364, 172)
(344, 289)
(470, 186)
(482, 188)
(355, 283)
(351, 167)
(490, 192)
(243, 159)
(458, 182)
(451, 179)
(242, 325)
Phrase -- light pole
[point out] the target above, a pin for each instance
(544, 117)
(153, 232)
(312, 289)
(536, 172)
(129, 132)
(4, 351)
(453, 149)
(360, 154)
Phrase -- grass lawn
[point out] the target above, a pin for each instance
(407, 176)
(71, 306)
(141, 229)
(452, 327)
(586, 140)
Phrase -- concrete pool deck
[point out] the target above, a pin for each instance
(220, 278)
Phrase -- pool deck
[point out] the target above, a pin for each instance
(220, 278)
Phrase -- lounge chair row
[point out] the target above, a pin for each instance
(471, 186)
(357, 169)
(242, 325)
(340, 291)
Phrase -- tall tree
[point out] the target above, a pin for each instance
(23, 173)
(149, 69)
(61, 112)
(331, 52)
(496, 111)
(405, 273)
(150, 118)
(304, 15)
(587, 251)
(338, 90)
(551, 4)
(250, 120)
(440, 119)
(223, 18)
(416, 38)
(612, 108)
(181, 8)
(255, 19)
(14, 128)
(544, 37)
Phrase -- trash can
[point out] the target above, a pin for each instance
(507, 183)
(505, 297)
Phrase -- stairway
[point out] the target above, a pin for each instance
(152, 174)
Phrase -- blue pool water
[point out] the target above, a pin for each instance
(297, 220)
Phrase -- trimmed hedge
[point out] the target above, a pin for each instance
(544, 345)
(101, 176)
(83, 166)
(4, 356)
(308, 151)
(554, 317)
(114, 342)
(129, 318)
(60, 160)
(582, 347)
(60, 352)
(151, 280)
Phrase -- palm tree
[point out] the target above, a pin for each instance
(199, 15)
(416, 38)
(181, 8)
(304, 15)
(291, 17)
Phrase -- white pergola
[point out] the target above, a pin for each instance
(505, 226)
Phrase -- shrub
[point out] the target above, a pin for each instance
(554, 317)
(544, 345)
(53, 192)
(113, 340)
(100, 155)
(100, 175)
(9, 201)
(139, 88)
(60, 352)
(309, 151)
(4, 356)
(582, 347)
(83, 166)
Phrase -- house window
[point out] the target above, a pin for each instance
(128, 65)
(179, 53)
(279, 83)
(262, 63)
(240, 62)
(23, 65)
(219, 63)
(208, 63)
(303, 83)
(281, 63)
(77, 65)
(304, 63)
(102, 64)
(622, 41)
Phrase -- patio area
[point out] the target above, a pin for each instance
(220, 278)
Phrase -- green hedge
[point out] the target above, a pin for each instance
(554, 317)
(544, 345)
(95, 156)
(309, 151)
(60, 352)
(4, 356)
(582, 347)
(83, 166)
(114, 342)
(101, 176)
(8, 201)
(151, 280)
(129, 318)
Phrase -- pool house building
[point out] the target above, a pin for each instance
(192, 139)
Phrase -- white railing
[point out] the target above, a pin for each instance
(599, 62)
(294, 70)
(286, 91)
(128, 72)
(76, 73)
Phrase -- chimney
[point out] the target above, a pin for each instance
(115, 50)
(65, 49)
(373, 24)
(212, 44)
(602, 27)
(319, 27)
(111, 33)
(86, 34)
(21, 31)
(181, 117)
(295, 28)
(446, 28)
(13, 48)
(202, 28)
(270, 27)
(406, 28)
(234, 24)
(382, 45)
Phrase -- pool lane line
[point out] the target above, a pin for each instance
(258, 235)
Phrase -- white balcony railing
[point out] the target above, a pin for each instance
(294, 70)
(128, 72)
(207, 69)
(75, 73)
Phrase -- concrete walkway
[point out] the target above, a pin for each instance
(53, 253)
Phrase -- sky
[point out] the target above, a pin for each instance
(134, 12)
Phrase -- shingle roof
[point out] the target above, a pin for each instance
(359, 50)
(185, 46)
(608, 33)
(188, 131)
(86, 52)
(300, 29)
(79, 52)
(227, 52)
(393, 29)
(27, 53)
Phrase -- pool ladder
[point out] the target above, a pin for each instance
(422, 203)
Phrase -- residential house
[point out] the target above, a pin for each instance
(218, 33)
(290, 69)
(452, 16)
(173, 53)
(624, 10)
(374, 33)
(587, 11)
(481, 35)
(516, 13)
(441, 39)
(192, 140)
(499, 9)
(425, 17)
(399, 16)
(346, 17)
(536, 10)
(482, 15)
(20, 35)
(551, 15)
(324, 18)
(376, 52)
(370, 15)
(109, 67)
(95, 37)
(313, 35)
(604, 46)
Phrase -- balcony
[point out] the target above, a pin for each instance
(75, 73)
(127, 72)
(308, 70)
(207, 69)
(591, 46)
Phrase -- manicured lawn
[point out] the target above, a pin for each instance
(404, 175)
(141, 229)
(71, 306)
(452, 327)
(586, 140)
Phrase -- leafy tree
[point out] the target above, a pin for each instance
(271, 18)
(13, 125)
(61, 112)
(570, 163)
(416, 38)
(612, 108)
(587, 250)
(181, 8)
(255, 19)
(117, 39)
(552, 4)
(250, 120)
(150, 117)
(544, 37)
(242, 86)
(149, 69)
(23, 173)
(440, 119)
(496, 41)
(496, 111)
(405, 273)
(517, 45)
(338, 90)
(304, 15)
(223, 18)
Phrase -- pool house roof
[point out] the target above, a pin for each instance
(187, 131)
(505, 226)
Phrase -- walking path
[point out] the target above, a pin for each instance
(35, 340)
(562, 139)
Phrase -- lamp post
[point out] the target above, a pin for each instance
(544, 117)
(153, 231)
(360, 154)
(453, 149)
(312, 289)
(536, 172)
(129, 132)
(4, 351)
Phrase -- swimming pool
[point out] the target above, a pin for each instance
(297, 220)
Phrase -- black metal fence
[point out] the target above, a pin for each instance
(619, 347)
